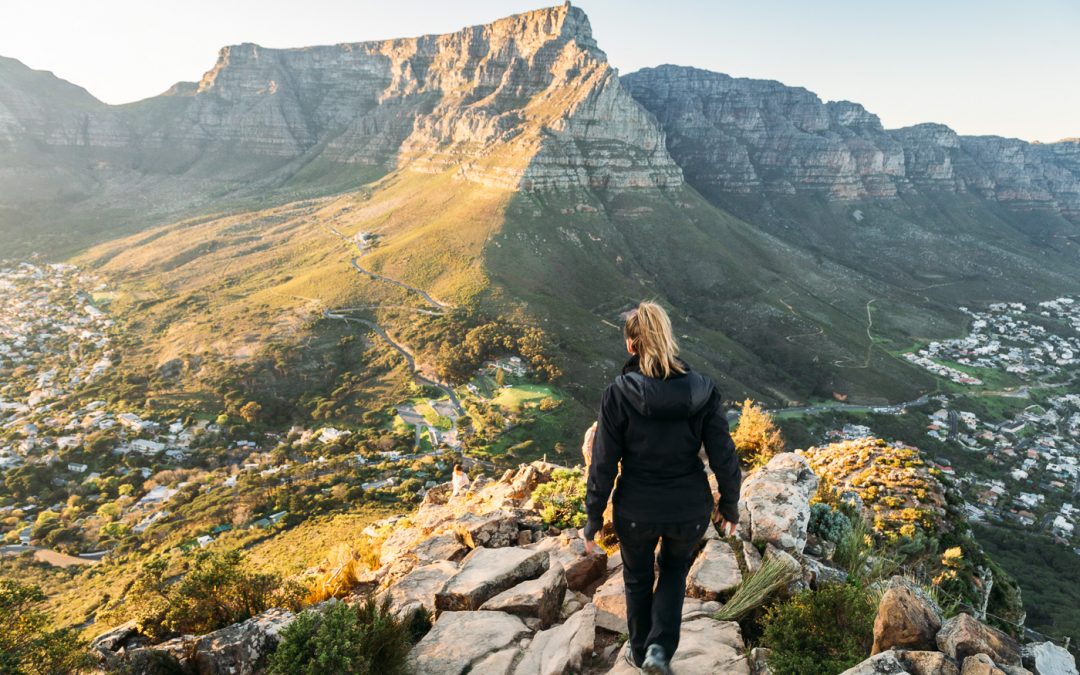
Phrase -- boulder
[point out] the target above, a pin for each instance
(487, 572)
(492, 530)
(610, 601)
(418, 588)
(1046, 658)
(573, 602)
(569, 549)
(239, 649)
(928, 663)
(541, 597)
(885, 663)
(962, 636)
(705, 646)
(122, 638)
(980, 664)
(715, 573)
(775, 505)
(693, 608)
(458, 640)
(817, 573)
(560, 649)
(445, 546)
(905, 620)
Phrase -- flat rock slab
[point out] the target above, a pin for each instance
(714, 573)
(560, 649)
(418, 588)
(485, 573)
(705, 646)
(540, 598)
(1046, 658)
(458, 640)
(445, 546)
(610, 601)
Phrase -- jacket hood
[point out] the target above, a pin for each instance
(678, 397)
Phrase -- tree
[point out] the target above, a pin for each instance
(500, 377)
(250, 411)
(757, 437)
(27, 644)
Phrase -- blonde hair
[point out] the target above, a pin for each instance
(649, 330)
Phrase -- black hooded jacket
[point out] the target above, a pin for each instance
(655, 428)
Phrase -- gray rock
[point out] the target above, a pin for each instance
(928, 662)
(610, 601)
(239, 649)
(492, 530)
(418, 588)
(540, 598)
(759, 661)
(460, 639)
(705, 646)
(445, 546)
(498, 663)
(715, 573)
(775, 504)
(487, 572)
(980, 664)
(1046, 658)
(885, 663)
(562, 648)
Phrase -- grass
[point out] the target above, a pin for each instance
(756, 588)
(521, 395)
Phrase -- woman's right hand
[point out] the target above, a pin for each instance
(727, 529)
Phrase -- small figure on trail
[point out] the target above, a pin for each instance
(460, 482)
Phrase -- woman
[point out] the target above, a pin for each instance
(653, 421)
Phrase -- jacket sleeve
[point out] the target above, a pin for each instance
(607, 451)
(723, 460)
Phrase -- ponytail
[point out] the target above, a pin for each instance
(649, 330)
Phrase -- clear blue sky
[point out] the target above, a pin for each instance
(1007, 67)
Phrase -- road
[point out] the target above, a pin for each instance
(404, 351)
(829, 407)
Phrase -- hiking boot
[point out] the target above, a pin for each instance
(628, 655)
(656, 662)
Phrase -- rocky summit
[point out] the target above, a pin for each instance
(505, 609)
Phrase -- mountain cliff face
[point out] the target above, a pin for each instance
(742, 136)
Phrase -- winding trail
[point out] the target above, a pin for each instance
(401, 349)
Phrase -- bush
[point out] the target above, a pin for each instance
(757, 438)
(215, 592)
(362, 640)
(562, 499)
(820, 632)
(827, 523)
(27, 644)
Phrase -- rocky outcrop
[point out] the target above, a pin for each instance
(963, 636)
(905, 619)
(740, 136)
(775, 505)
(539, 598)
(885, 663)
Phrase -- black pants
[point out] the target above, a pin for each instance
(655, 616)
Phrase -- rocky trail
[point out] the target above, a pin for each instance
(513, 596)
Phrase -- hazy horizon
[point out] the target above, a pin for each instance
(986, 68)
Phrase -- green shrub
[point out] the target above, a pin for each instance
(216, 591)
(828, 523)
(27, 643)
(562, 499)
(820, 632)
(365, 639)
